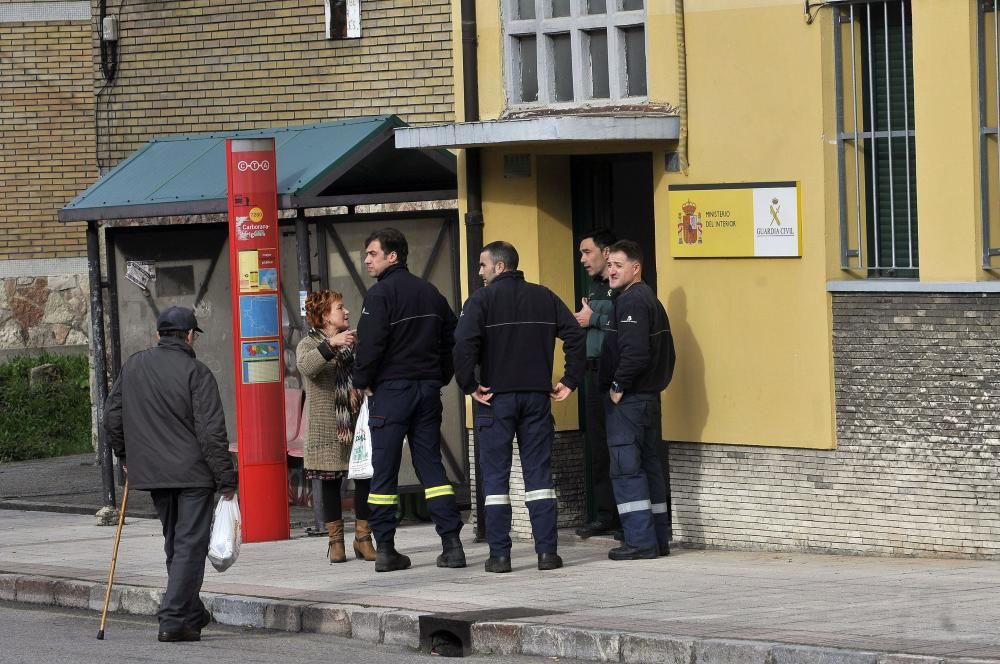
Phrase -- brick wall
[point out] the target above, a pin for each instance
(46, 132)
(567, 476)
(917, 466)
(199, 65)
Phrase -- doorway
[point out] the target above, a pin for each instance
(613, 192)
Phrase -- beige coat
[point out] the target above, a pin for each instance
(332, 403)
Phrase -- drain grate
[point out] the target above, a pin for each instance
(450, 634)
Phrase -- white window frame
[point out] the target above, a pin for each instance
(576, 24)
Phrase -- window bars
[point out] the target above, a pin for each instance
(988, 38)
(876, 152)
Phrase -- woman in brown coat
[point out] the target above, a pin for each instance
(325, 358)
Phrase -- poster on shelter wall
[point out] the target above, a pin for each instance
(742, 220)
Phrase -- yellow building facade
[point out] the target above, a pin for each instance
(837, 399)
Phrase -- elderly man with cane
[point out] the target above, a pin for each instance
(165, 420)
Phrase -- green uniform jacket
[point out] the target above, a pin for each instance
(599, 299)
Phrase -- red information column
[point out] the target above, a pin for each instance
(257, 344)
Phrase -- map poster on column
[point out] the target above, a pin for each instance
(258, 316)
(260, 361)
(258, 270)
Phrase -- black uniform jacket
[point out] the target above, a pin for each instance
(638, 351)
(406, 331)
(509, 330)
(164, 418)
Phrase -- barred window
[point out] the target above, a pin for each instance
(876, 151)
(574, 51)
(989, 120)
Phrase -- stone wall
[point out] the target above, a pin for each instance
(44, 312)
(917, 466)
(567, 476)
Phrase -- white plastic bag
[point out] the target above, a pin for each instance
(227, 533)
(360, 467)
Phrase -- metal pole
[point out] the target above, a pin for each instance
(305, 286)
(100, 365)
(322, 255)
(302, 254)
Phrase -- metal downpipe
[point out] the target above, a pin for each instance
(474, 203)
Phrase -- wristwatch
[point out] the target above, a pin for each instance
(616, 388)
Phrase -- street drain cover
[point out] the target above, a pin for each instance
(450, 634)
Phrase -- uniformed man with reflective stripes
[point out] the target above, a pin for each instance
(508, 330)
(405, 337)
(637, 362)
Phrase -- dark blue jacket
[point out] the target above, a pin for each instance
(638, 351)
(509, 330)
(406, 331)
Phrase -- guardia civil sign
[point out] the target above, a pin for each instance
(749, 220)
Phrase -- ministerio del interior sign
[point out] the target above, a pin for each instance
(751, 219)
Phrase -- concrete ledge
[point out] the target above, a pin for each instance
(911, 286)
(327, 619)
(401, 628)
(496, 638)
(8, 587)
(643, 648)
(725, 651)
(239, 611)
(813, 655)
(138, 601)
(895, 658)
(72, 594)
(285, 616)
(572, 642)
(366, 623)
(35, 590)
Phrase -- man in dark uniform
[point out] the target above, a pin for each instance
(165, 421)
(636, 365)
(403, 360)
(508, 330)
(594, 314)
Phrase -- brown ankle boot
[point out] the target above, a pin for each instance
(363, 549)
(335, 549)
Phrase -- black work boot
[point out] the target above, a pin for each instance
(594, 528)
(452, 553)
(626, 552)
(549, 561)
(387, 559)
(498, 565)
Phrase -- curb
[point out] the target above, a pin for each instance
(401, 628)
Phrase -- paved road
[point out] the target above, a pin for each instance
(49, 635)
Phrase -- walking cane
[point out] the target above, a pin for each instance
(114, 559)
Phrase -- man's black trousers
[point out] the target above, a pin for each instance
(605, 509)
(186, 515)
(528, 415)
(410, 409)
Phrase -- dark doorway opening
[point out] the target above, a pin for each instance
(615, 192)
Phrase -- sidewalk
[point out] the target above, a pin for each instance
(704, 607)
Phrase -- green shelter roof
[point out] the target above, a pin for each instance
(349, 162)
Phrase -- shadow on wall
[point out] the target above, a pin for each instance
(687, 388)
